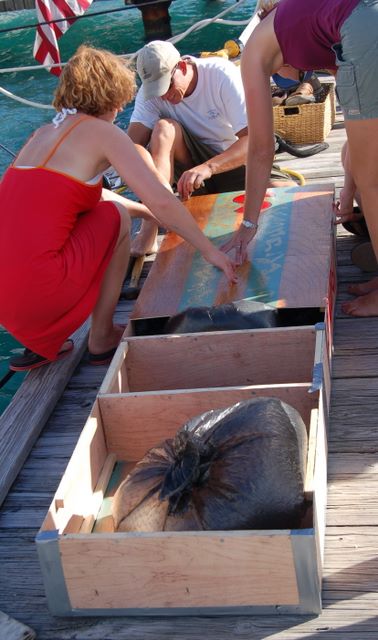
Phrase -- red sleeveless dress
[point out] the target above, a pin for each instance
(56, 241)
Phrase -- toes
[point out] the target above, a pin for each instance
(354, 289)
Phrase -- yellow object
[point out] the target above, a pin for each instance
(231, 49)
(222, 53)
(295, 174)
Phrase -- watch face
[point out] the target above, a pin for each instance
(249, 224)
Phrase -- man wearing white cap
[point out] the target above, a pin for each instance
(191, 114)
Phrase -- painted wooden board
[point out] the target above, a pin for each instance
(289, 258)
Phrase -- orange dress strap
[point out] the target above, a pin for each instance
(62, 137)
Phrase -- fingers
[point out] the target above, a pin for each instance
(185, 186)
(230, 272)
(191, 180)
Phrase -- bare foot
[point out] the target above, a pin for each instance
(105, 343)
(363, 306)
(145, 241)
(363, 287)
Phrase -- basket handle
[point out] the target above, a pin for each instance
(291, 111)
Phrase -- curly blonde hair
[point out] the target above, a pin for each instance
(94, 81)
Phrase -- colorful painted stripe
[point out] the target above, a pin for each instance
(267, 256)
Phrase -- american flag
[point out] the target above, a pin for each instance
(46, 49)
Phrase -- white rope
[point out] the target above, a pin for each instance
(204, 23)
(195, 27)
(24, 101)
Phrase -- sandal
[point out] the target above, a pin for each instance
(105, 357)
(31, 360)
(97, 359)
(357, 227)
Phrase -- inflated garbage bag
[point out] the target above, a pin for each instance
(236, 468)
(244, 314)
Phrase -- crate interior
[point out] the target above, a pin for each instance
(121, 430)
(286, 317)
(214, 359)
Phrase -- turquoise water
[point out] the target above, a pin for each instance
(120, 32)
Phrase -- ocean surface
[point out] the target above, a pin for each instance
(120, 32)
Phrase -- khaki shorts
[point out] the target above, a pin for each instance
(357, 63)
(233, 180)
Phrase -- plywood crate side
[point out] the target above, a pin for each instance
(214, 359)
(74, 495)
(137, 422)
(320, 478)
(180, 570)
(115, 380)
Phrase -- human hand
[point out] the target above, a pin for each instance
(223, 262)
(344, 212)
(193, 179)
(239, 241)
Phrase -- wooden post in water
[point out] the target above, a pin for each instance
(156, 19)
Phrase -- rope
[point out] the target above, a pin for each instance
(295, 174)
(86, 15)
(204, 23)
(2, 146)
(5, 378)
(25, 101)
(197, 26)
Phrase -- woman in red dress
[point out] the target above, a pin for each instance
(64, 248)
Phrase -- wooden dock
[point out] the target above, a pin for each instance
(350, 588)
(16, 5)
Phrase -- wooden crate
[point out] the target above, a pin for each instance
(90, 570)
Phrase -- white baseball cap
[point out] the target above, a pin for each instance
(155, 64)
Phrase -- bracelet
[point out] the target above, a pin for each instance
(249, 224)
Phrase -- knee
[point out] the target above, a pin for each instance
(164, 131)
(125, 223)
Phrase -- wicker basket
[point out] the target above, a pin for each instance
(306, 123)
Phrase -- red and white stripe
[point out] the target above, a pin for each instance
(46, 49)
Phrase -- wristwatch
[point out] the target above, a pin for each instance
(249, 224)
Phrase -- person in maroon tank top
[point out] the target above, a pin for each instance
(338, 35)
(64, 242)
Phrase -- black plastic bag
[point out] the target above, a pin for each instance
(236, 468)
(243, 314)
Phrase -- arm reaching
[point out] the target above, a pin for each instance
(231, 158)
(123, 156)
(260, 58)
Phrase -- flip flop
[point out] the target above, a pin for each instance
(97, 359)
(363, 256)
(31, 360)
(105, 357)
(357, 227)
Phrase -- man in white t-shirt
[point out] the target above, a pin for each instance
(191, 114)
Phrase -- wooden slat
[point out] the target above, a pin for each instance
(22, 421)
(246, 357)
(260, 565)
(137, 422)
(11, 629)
